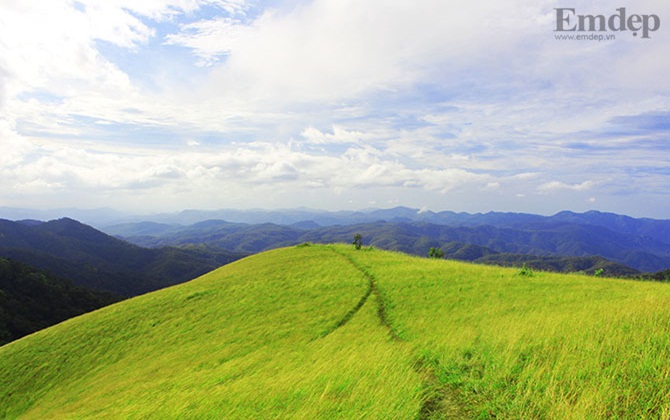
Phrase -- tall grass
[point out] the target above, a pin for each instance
(546, 346)
(246, 341)
(331, 332)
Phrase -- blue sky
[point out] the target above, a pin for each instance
(152, 106)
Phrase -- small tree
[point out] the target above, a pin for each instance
(525, 271)
(358, 241)
(435, 253)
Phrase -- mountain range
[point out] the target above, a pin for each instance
(641, 244)
(74, 267)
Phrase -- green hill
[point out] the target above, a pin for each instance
(325, 331)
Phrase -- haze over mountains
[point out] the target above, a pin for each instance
(639, 243)
(104, 217)
(643, 244)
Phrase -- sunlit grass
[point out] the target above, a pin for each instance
(291, 334)
(246, 341)
(545, 346)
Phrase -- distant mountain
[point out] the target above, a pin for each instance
(110, 220)
(660, 229)
(143, 228)
(333, 218)
(652, 228)
(624, 224)
(586, 265)
(91, 258)
(642, 243)
(32, 299)
(549, 239)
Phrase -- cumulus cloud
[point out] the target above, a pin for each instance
(327, 50)
(240, 170)
(557, 185)
(338, 135)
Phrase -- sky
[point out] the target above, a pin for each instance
(165, 105)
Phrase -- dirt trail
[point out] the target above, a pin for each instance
(438, 402)
(381, 303)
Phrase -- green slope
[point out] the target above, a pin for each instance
(330, 332)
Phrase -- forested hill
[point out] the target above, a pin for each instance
(32, 299)
(88, 257)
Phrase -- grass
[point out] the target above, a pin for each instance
(320, 331)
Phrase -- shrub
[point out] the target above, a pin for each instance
(525, 271)
(435, 253)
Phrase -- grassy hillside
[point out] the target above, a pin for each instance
(330, 332)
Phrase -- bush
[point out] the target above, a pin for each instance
(526, 271)
(435, 253)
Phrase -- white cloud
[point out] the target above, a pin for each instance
(413, 100)
(242, 170)
(339, 135)
(327, 50)
(209, 39)
(13, 148)
(557, 185)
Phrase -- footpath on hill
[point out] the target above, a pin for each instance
(372, 289)
(438, 400)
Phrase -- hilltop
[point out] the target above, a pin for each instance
(324, 331)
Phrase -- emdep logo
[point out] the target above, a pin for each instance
(567, 20)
